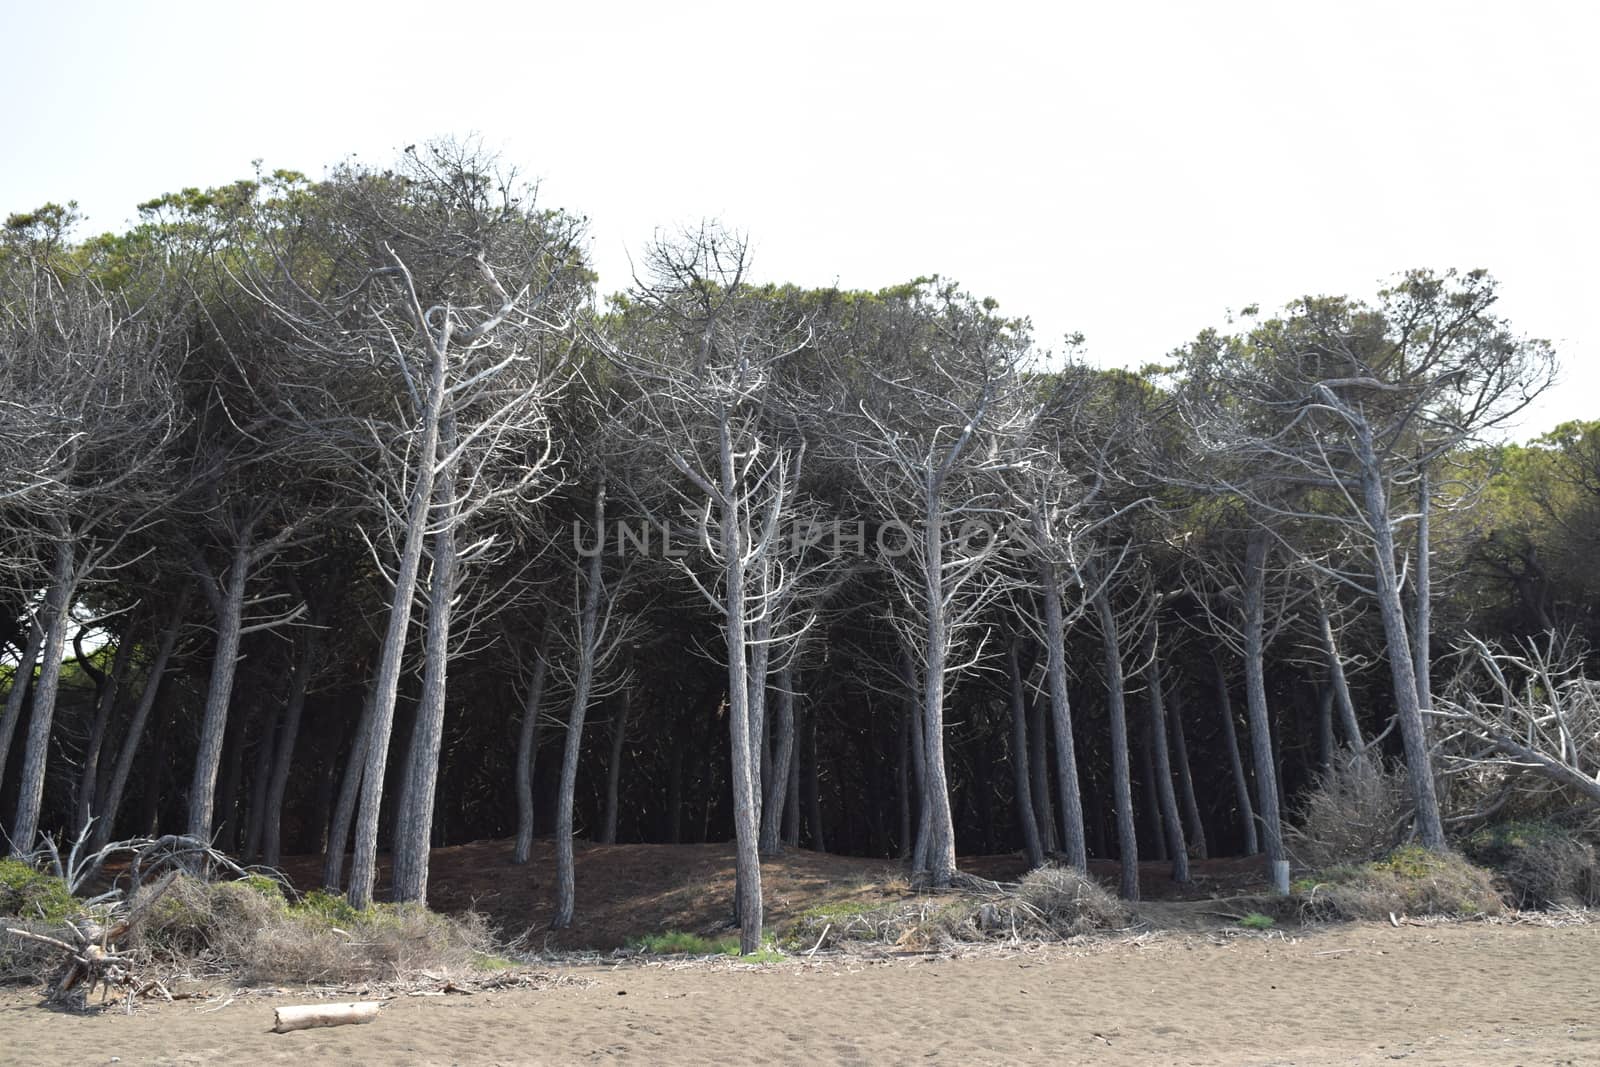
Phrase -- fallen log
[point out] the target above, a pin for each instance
(306, 1016)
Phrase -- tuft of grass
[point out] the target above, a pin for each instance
(30, 894)
(1050, 903)
(244, 928)
(1539, 862)
(1409, 880)
(1257, 921)
(680, 943)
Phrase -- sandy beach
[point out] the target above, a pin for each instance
(1366, 994)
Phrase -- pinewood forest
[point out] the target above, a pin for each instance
(354, 518)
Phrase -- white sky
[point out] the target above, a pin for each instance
(1127, 170)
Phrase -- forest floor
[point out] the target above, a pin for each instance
(629, 891)
(1186, 985)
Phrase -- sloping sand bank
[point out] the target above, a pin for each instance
(1462, 994)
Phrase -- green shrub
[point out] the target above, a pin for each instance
(1540, 863)
(30, 894)
(1257, 921)
(1410, 880)
(679, 943)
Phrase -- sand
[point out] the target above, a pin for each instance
(1468, 993)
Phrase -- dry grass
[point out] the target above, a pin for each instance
(1540, 863)
(1356, 810)
(1049, 904)
(1408, 881)
(248, 929)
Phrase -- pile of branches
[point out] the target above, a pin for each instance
(93, 950)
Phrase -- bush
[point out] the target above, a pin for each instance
(247, 927)
(679, 943)
(1410, 880)
(1050, 903)
(1356, 810)
(1540, 863)
(1257, 921)
(30, 894)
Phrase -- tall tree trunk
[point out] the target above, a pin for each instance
(1044, 809)
(791, 807)
(1422, 627)
(1255, 687)
(1325, 742)
(22, 683)
(107, 686)
(364, 862)
(226, 835)
(1336, 675)
(1180, 756)
(1413, 731)
(746, 831)
(941, 858)
(344, 809)
(414, 825)
(1241, 787)
(819, 842)
(58, 609)
(588, 641)
(112, 803)
(528, 748)
(227, 600)
(1032, 848)
(773, 811)
(1121, 777)
(283, 758)
(1055, 637)
(1151, 803)
(260, 780)
(619, 737)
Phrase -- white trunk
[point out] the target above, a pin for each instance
(1121, 775)
(528, 750)
(58, 609)
(228, 600)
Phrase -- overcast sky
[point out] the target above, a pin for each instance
(1131, 171)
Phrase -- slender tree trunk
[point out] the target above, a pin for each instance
(619, 737)
(1255, 687)
(747, 878)
(112, 803)
(1413, 731)
(1422, 628)
(110, 685)
(791, 807)
(1336, 675)
(260, 780)
(344, 809)
(283, 759)
(819, 842)
(1055, 636)
(1121, 777)
(588, 641)
(58, 609)
(1180, 756)
(414, 826)
(364, 862)
(226, 835)
(22, 682)
(1151, 803)
(773, 811)
(1325, 742)
(227, 599)
(941, 857)
(1044, 809)
(1241, 787)
(1032, 848)
(528, 748)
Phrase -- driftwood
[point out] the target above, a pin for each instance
(306, 1016)
(93, 959)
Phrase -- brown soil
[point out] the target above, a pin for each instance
(626, 891)
(1467, 994)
